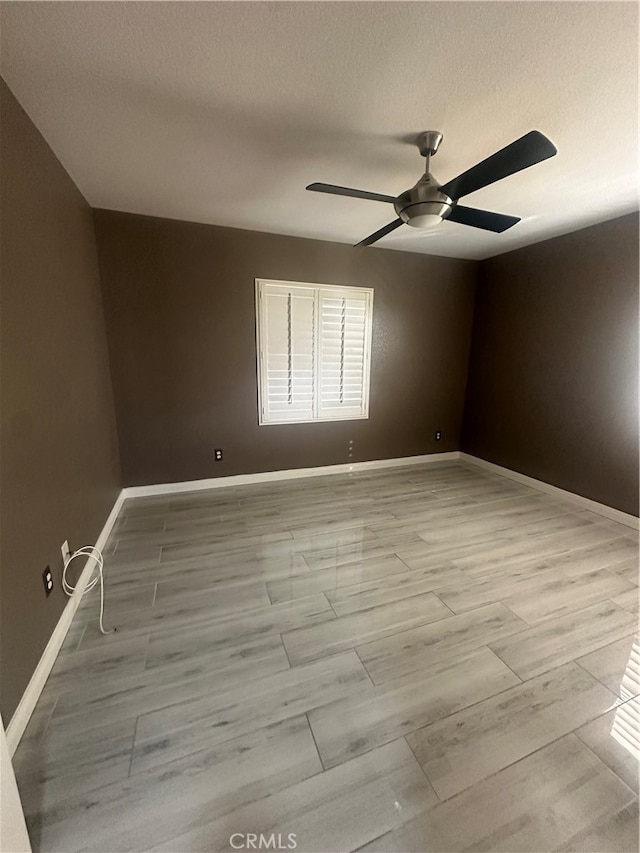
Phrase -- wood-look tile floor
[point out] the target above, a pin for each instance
(420, 659)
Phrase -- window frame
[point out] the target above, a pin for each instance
(261, 361)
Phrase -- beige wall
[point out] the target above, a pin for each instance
(179, 304)
(58, 448)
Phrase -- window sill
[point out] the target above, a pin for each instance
(315, 420)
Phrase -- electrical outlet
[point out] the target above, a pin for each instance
(47, 579)
(438, 435)
(217, 455)
(66, 553)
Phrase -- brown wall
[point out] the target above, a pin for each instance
(553, 375)
(58, 450)
(179, 304)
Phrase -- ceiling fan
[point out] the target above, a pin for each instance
(427, 203)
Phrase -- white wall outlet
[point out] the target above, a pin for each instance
(64, 548)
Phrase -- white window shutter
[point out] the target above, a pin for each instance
(314, 345)
(343, 361)
(288, 343)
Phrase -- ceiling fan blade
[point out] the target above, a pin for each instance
(485, 219)
(530, 149)
(334, 190)
(381, 233)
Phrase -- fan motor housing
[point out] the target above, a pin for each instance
(423, 200)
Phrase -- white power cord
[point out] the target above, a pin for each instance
(96, 555)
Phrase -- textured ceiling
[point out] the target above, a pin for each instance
(223, 112)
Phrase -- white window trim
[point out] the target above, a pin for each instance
(261, 377)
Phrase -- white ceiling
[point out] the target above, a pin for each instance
(224, 112)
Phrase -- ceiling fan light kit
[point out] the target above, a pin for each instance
(424, 221)
(427, 203)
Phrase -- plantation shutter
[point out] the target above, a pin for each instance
(288, 356)
(313, 351)
(343, 358)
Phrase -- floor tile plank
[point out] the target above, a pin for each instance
(472, 744)
(334, 811)
(339, 576)
(416, 650)
(146, 809)
(616, 665)
(357, 724)
(615, 739)
(186, 727)
(362, 596)
(545, 801)
(558, 641)
(346, 632)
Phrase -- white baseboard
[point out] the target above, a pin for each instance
(289, 474)
(585, 503)
(23, 712)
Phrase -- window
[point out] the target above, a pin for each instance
(314, 351)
